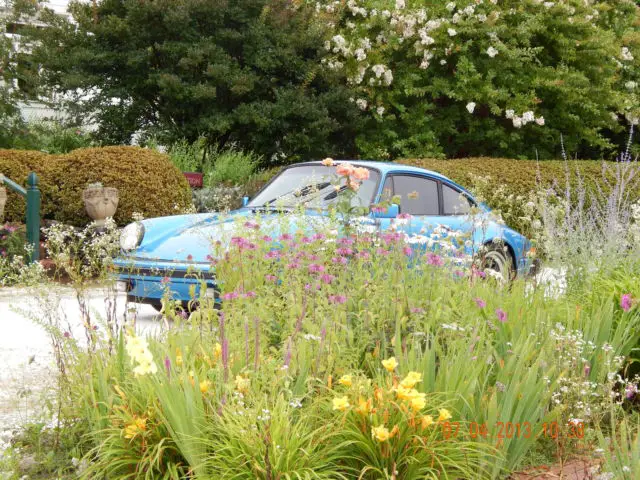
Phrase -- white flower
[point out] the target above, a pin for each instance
(548, 4)
(443, 62)
(361, 103)
(481, 17)
(451, 32)
(528, 117)
(630, 85)
(626, 54)
(492, 52)
(517, 122)
(509, 114)
(360, 54)
(380, 110)
(471, 106)
(378, 70)
(451, 6)
(540, 121)
(400, 4)
(386, 13)
(388, 77)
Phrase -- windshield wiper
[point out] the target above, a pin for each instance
(300, 193)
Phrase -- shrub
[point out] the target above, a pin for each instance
(475, 78)
(188, 157)
(146, 180)
(16, 165)
(230, 166)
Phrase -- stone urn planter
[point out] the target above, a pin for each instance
(100, 202)
(3, 200)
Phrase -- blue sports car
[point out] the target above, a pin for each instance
(175, 252)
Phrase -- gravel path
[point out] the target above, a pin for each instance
(28, 371)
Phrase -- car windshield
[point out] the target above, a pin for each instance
(314, 186)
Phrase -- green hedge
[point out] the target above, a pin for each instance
(522, 176)
(147, 182)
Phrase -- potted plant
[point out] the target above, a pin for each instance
(100, 202)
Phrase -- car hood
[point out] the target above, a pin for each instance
(192, 238)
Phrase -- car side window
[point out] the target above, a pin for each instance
(454, 202)
(418, 195)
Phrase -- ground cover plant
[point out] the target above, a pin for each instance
(342, 356)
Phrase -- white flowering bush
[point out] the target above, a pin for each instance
(492, 77)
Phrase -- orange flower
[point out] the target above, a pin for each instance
(138, 425)
(353, 185)
(360, 173)
(344, 169)
(394, 431)
(327, 162)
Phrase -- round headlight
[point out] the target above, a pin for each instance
(131, 236)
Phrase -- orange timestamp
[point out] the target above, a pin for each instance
(509, 430)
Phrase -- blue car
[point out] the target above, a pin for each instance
(175, 252)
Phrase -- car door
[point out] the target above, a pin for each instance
(420, 198)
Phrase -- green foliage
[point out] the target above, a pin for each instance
(188, 157)
(13, 241)
(230, 166)
(236, 73)
(50, 137)
(473, 78)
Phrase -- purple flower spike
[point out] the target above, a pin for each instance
(630, 391)
(167, 366)
(587, 369)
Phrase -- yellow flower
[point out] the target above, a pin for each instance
(390, 364)
(330, 382)
(341, 403)
(411, 379)
(205, 385)
(406, 393)
(380, 433)
(444, 415)
(217, 351)
(364, 407)
(242, 384)
(426, 421)
(345, 380)
(327, 162)
(134, 428)
(179, 360)
(418, 402)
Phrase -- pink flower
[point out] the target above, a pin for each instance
(435, 260)
(344, 251)
(501, 314)
(340, 260)
(230, 296)
(587, 369)
(305, 240)
(270, 278)
(293, 265)
(417, 310)
(459, 273)
(339, 299)
(318, 236)
(626, 302)
(326, 278)
(364, 255)
(404, 216)
(407, 251)
(267, 239)
(252, 225)
(285, 236)
(272, 254)
(315, 268)
(479, 273)
(345, 241)
(165, 280)
(249, 294)
(480, 303)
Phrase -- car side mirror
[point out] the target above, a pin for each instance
(245, 201)
(391, 211)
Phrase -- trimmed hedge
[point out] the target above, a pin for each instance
(521, 176)
(147, 182)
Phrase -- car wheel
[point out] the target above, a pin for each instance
(498, 260)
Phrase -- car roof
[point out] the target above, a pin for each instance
(391, 167)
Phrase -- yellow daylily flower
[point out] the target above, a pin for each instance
(381, 433)
(444, 415)
(426, 421)
(341, 403)
(205, 385)
(217, 351)
(138, 425)
(364, 406)
(405, 393)
(345, 380)
(411, 379)
(418, 402)
(390, 364)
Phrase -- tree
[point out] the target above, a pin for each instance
(245, 73)
(489, 77)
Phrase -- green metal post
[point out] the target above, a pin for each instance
(33, 215)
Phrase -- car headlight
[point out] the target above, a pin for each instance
(131, 236)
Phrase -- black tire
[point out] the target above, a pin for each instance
(499, 259)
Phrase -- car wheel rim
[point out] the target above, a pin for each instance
(496, 262)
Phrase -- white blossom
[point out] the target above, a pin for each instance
(471, 106)
(400, 4)
(509, 114)
(626, 54)
(517, 122)
(380, 110)
(361, 103)
(528, 117)
(387, 77)
(492, 52)
(451, 32)
(630, 85)
(360, 54)
(540, 121)
(451, 6)
(378, 70)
